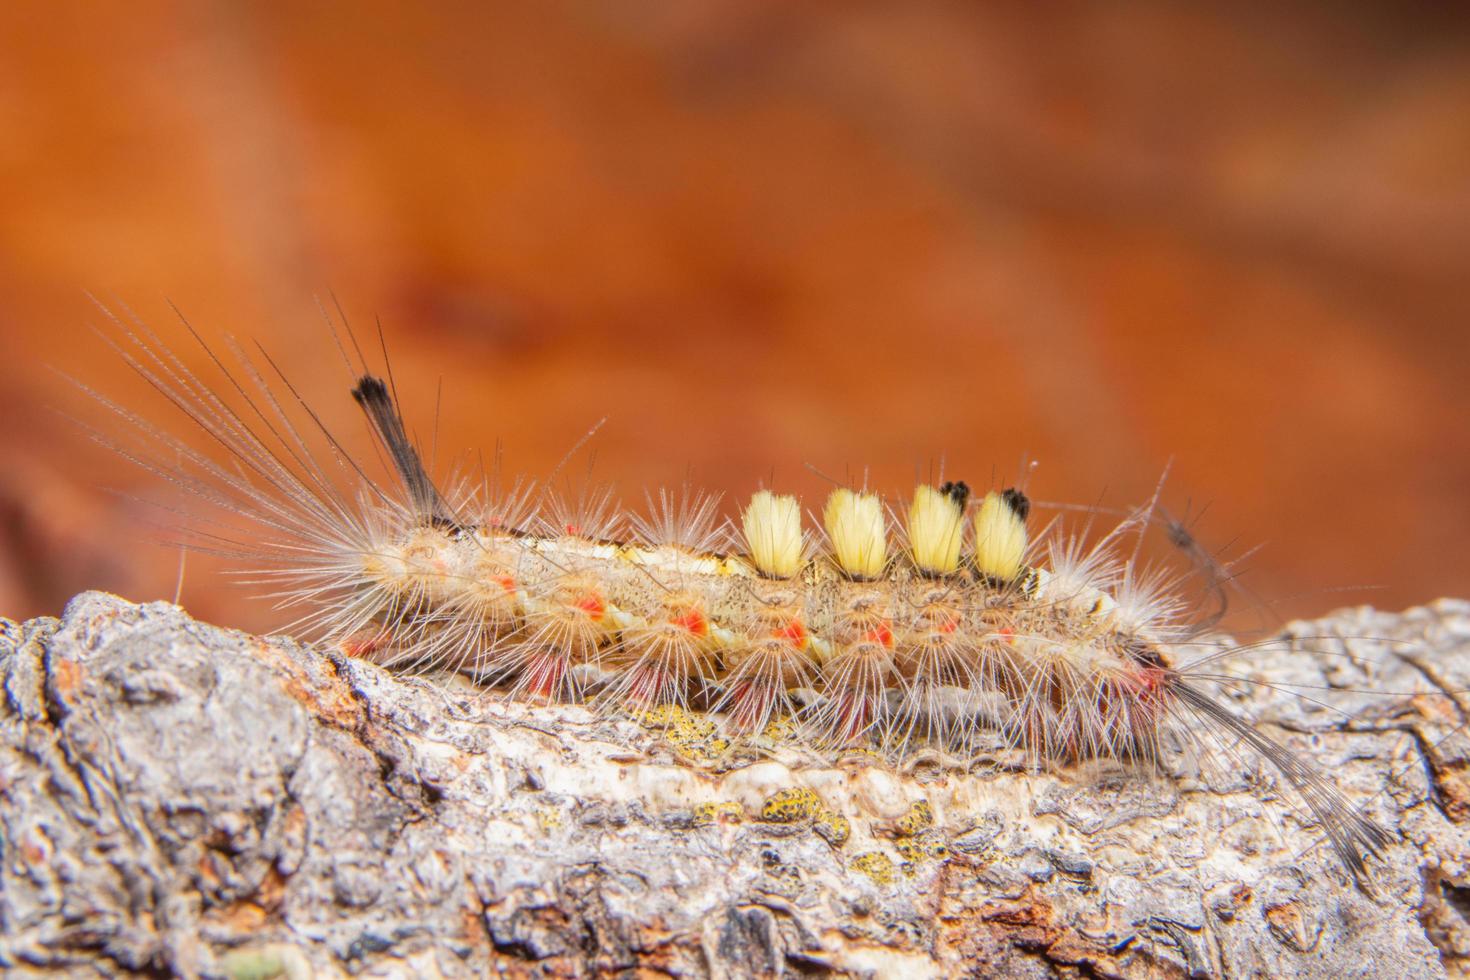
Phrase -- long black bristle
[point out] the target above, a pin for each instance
(377, 403)
(1353, 836)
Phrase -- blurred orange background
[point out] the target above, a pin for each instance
(759, 236)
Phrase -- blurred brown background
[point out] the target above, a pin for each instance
(760, 235)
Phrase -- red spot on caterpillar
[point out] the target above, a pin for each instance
(750, 705)
(544, 675)
(1140, 692)
(644, 685)
(852, 717)
(692, 620)
(364, 643)
(572, 529)
(882, 634)
(506, 582)
(794, 633)
(354, 647)
(594, 605)
(1006, 633)
(1151, 681)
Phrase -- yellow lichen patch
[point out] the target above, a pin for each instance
(919, 819)
(707, 814)
(832, 827)
(276, 960)
(711, 750)
(708, 750)
(915, 838)
(673, 718)
(928, 846)
(780, 729)
(876, 866)
(858, 753)
(692, 736)
(550, 818)
(798, 804)
(791, 806)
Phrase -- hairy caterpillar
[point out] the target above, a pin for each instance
(938, 622)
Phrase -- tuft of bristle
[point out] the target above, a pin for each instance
(666, 658)
(855, 527)
(936, 530)
(1353, 836)
(592, 515)
(772, 526)
(571, 627)
(687, 520)
(376, 401)
(762, 673)
(1000, 535)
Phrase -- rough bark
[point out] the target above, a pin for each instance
(178, 798)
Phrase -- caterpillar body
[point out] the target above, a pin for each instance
(939, 624)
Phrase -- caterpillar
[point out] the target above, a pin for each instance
(939, 623)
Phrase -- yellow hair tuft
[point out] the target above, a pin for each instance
(1000, 535)
(773, 534)
(855, 525)
(936, 529)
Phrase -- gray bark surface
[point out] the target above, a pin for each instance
(177, 798)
